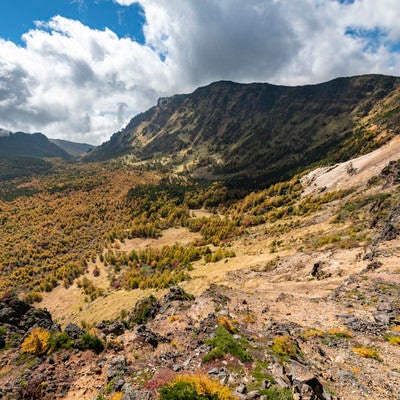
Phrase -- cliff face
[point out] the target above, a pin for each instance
(260, 132)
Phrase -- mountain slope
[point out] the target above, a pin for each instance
(22, 144)
(259, 133)
(72, 148)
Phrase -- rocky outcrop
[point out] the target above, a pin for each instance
(18, 314)
(144, 310)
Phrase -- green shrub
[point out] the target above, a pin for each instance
(195, 387)
(90, 342)
(224, 343)
(61, 341)
(392, 339)
(285, 347)
(144, 310)
(180, 391)
(275, 393)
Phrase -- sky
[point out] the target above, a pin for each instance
(81, 69)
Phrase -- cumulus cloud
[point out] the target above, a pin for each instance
(73, 82)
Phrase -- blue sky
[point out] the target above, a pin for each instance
(19, 16)
(70, 78)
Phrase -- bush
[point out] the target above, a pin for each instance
(224, 343)
(395, 340)
(90, 342)
(37, 342)
(61, 341)
(195, 387)
(144, 310)
(227, 323)
(117, 396)
(275, 393)
(285, 347)
(340, 333)
(366, 352)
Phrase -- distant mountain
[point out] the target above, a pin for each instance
(4, 132)
(22, 144)
(72, 148)
(255, 134)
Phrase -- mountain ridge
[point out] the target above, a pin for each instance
(260, 132)
(21, 144)
(75, 149)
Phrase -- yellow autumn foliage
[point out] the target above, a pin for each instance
(37, 342)
(117, 396)
(205, 386)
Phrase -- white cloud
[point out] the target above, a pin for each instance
(77, 83)
(70, 81)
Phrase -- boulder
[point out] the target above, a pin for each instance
(73, 330)
(144, 310)
(22, 315)
(116, 367)
(176, 293)
(150, 337)
(115, 328)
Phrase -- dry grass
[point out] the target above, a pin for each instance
(340, 333)
(366, 352)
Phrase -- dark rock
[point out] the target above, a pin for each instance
(213, 371)
(318, 272)
(389, 232)
(150, 337)
(116, 328)
(372, 266)
(131, 394)
(116, 367)
(118, 383)
(304, 382)
(315, 269)
(73, 330)
(365, 326)
(370, 255)
(2, 343)
(276, 328)
(21, 315)
(209, 323)
(176, 367)
(144, 310)
(176, 293)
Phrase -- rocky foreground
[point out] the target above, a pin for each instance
(229, 335)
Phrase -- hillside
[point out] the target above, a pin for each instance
(291, 292)
(256, 134)
(20, 144)
(72, 148)
(133, 279)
